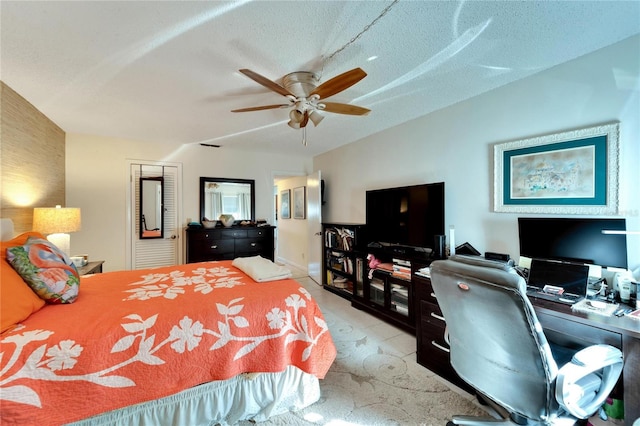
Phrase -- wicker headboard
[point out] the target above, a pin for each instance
(33, 160)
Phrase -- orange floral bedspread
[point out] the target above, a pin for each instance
(134, 336)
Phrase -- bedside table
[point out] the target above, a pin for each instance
(94, 267)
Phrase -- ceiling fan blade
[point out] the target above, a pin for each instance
(260, 108)
(271, 85)
(339, 108)
(339, 83)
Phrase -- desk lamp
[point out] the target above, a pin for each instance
(57, 222)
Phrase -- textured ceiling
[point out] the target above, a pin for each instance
(167, 71)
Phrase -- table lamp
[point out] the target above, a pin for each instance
(57, 222)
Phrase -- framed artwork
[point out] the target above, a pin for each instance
(299, 203)
(285, 212)
(574, 172)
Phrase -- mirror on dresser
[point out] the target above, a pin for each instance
(151, 207)
(227, 196)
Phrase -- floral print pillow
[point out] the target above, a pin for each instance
(47, 270)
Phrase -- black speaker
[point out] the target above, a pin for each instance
(439, 242)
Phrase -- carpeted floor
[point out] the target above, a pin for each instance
(375, 379)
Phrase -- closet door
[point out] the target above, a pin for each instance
(155, 252)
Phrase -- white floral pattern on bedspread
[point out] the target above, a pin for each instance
(172, 284)
(231, 327)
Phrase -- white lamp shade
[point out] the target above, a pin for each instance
(49, 220)
(57, 222)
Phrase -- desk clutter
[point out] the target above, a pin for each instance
(595, 307)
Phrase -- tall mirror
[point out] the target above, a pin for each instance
(227, 196)
(151, 207)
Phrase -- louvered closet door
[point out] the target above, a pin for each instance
(150, 253)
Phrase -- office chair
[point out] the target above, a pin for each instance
(498, 347)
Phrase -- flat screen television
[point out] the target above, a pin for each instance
(408, 216)
(574, 240)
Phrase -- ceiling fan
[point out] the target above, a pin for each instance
(306, 97)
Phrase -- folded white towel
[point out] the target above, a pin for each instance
(261, 269)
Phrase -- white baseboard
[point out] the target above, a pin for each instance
(292, 264)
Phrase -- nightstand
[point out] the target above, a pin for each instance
(94, 267)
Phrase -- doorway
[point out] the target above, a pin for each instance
(298, 239)
(166, 251)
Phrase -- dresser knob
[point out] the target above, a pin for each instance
(214, 247)
(253, 244)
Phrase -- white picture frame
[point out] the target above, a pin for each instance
(573, 172)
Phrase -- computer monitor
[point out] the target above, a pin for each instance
(572, 278)
(574, 240)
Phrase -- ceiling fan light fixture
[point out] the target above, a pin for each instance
(296, 115)
(294, 124)
(303, 94)
(316, 117)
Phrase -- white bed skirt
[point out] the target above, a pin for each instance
(245, 397)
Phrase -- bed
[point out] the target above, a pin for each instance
(201, 343)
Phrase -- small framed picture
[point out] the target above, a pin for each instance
(299, 203)
(285, 212)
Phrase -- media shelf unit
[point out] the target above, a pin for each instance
(388, 290)
(342, 259)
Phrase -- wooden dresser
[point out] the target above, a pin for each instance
(229, 243)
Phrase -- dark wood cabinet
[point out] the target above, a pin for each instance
(432, 347)
(388, 290)
(229, 243)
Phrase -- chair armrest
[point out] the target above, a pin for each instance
(597, 355)
(579, 391)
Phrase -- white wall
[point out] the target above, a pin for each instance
(455, 145)
(97, 178)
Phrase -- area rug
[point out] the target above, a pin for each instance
(372, 383)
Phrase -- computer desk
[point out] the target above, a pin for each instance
(564, 326)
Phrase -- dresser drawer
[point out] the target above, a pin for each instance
(433, 341)
(424, 290)
(209, 234)
(249, 245)
(258, 233)
(207, 248)
(233, 233)
(431, 314)
(434, 350)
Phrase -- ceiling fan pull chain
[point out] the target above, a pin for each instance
(304, 136)
(357, 36)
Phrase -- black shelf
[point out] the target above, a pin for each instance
(342, 260)
(388, 290)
